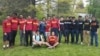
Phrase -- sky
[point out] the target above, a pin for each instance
(85, 3)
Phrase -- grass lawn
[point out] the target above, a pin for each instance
(62, 50)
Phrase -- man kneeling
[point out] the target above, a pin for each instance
(37, 39)
(52, 41)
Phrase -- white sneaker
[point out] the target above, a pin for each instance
(32, 46)
(7, 45)
(81, 43)
(4, 47)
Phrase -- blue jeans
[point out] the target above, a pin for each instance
(94, 36)
(74, 34)
(44, 35)
(80, 34)
(61, 33)
(67, 33)
(22, 37)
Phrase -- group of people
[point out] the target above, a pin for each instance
(49, 31)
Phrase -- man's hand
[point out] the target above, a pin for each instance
(24, 32)
(5, 33)
(88, 32)
(59, 29)
(97, 32)
(49, 29)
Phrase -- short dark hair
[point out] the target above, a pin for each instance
(73, 17)
(15, 13)
(79, 16)
(61, 17)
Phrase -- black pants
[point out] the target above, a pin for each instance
(28, 33)
(12, 39)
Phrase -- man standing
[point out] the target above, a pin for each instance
(80, 29)
(14, 27)
(6, 32)
(42, 28)
(22, 22)
(86, 30)
(35, 25)
(61, 29)
(55, 25)
(28, 30)
(48, 27)
(74, 32)
(94, 31)
(67, 28)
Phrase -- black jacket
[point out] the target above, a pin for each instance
(94, 26)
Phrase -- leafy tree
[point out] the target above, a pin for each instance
(94, 8)
(80, 7)
(64, 7)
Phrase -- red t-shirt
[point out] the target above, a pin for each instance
(14, 23)
(6, 26)
(52, 40)
(22, 24)
(55, 23)
(48, 26)
(28, 24)
(35, 25)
